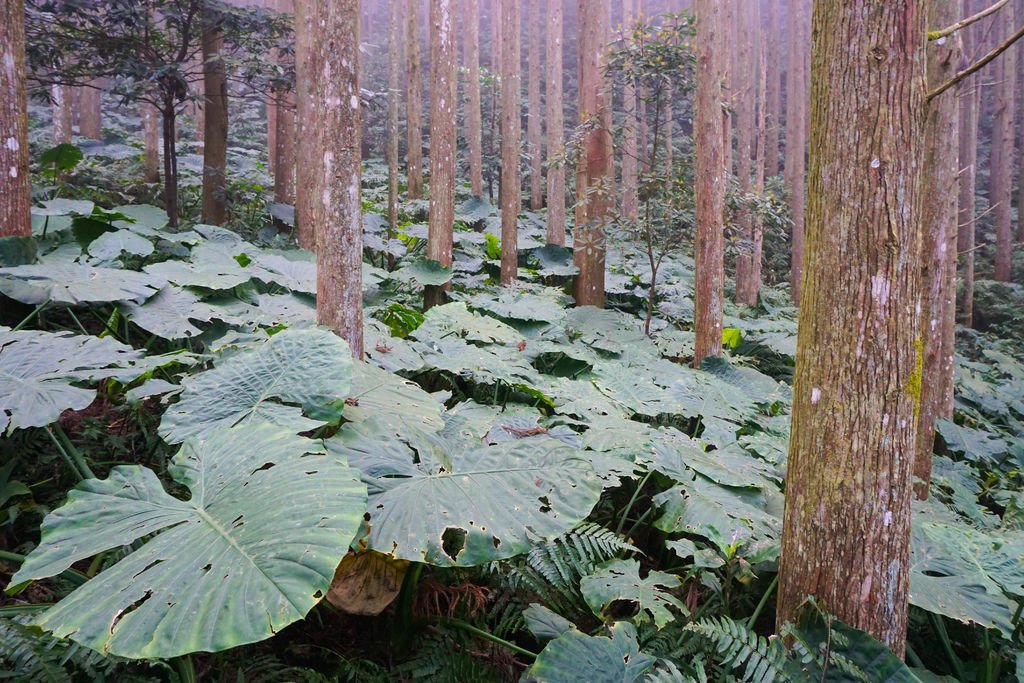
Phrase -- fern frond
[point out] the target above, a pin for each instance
(736, 646)
(28, 654)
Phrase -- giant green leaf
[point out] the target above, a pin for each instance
(455, 320)
(37, 370)
(109, 245)
(294, 372)
(447, 506)
(575, 656)
(253, 549)
(75, 284)
(171, 313)
(964, 574)
(619, 581)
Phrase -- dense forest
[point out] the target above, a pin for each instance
(512, 340)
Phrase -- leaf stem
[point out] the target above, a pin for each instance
(629, 505)
(74, 452)
(947, 646)
(38, 309)
(487, 635)
(764, 601)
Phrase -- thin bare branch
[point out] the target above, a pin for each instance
(977, 66)
(963, 23)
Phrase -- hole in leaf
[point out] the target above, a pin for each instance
(128, 610)
(147, 568)
(545, 504)
(318, 595)
(207, 567)
(496, 541)
(265, 466)
(453, 540)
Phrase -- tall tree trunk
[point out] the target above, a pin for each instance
(535, 113)
(169, 118)
(284, 138)
(846, 526)
(15, 190)
(61, 107)
(728, 24)
(151, 141)
(337, 211)
(413, 104)
(595, 167)
(796, 138)
(90, 121)
(394, 84)
(773, 108)
(305, 135)
(644, 131)
(510, 122)
(969, 102)
(555, 125)
(747, 291)
(630, 154)
(1001, 188)
(939, 243)
(442, 141)
(215, 122)
(474, 125)
(745, 93)
(709, 148)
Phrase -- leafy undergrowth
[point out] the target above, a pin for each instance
(518, 488)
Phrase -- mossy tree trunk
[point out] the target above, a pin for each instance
(846, 527)
(15, 190)
(337, 212)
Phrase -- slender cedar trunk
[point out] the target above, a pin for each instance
(474, 124)
(442, 141)
(1020, 136)
(710, 191)
(394, 85)
(644, 131)
(494, 123)
(15, 190)
(1001, 188)
(796, 138)
(969, 102)
(555, 125)
(305, 140)
(196, 107)
(169, 116)
(630, 202)
(284, 138)
(748, 291)
(337, 211)
(535, 114)
(271, 107)
(939, 240)
(595, 166)
(669, 121)
(151, 141)
(413, 104)
(746, 67)
(773, 97)
(846, 526)
(510, 122)
(728, 23)
(61, 107)
(215, 122)
(90, 116)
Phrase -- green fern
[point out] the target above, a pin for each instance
(736, 646)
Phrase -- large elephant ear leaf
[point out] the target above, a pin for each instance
(575, 656)
(480, 504)
(37, 370)
(298, 380)
(252, 551)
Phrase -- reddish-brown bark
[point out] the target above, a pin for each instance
(510, 180)
(846, 527)
(60, 96)
(630, 203)
(215, 122)
(1001, 164)
(796, 137)
(535, 113)
(413, 104)
(743, 104)
(15, 190)
(337, 213)
(305, 141)
(90, 114)
(474, 124)
(555, 125)
(710, 151)
(595, 167)
(442, 140)
(151, 142)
